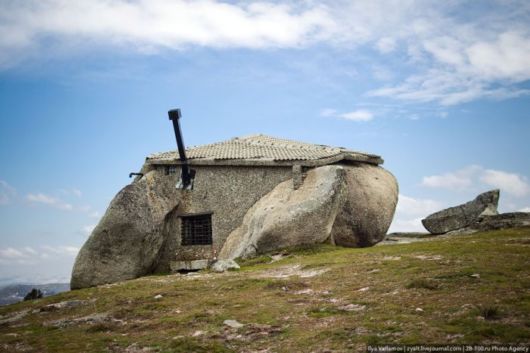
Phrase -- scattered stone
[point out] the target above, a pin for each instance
(352, 307)
(158, 296)
(63, 305)
(461, 216)
(233, 323)
(249, 333)
(291, 270)
(277, 257)
(224, 265)
(475, 275)
(304, 291)
(89, 319)
(420, 310)
(33, 294)
(391, 258)
(363, 289)
(429, 258)
(197, 333)
(13, 317)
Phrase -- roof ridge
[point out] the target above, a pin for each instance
(260, 147)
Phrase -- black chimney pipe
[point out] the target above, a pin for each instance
(187, 173)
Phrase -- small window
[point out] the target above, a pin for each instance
(197, 229)
(171, 169)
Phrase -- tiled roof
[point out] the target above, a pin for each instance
(258, 147)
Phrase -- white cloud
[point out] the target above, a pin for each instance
(407, 225)
(328, 112)
(458, 180)
(448, 56)
(386, 45)
(416, 207)
(465, 68)
(505, 58)
(150, 25)
(524, 209)
(30, 250)
(477, 176)
(510, 182)
(69, 192)
(382, 73)
(410, 211)
(77, 192)
(7, 192)
(42, 264)
(358, 115)
(11, 253)
(40, 198)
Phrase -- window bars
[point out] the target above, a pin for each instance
(196, 229)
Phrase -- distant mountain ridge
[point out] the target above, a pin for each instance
(14, 293)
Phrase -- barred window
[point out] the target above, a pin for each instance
(197, 229)
(171, 169)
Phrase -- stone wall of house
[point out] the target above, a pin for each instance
(226, 191)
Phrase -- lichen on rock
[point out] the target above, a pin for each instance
(345, 205)
(127, 240)
(461, 216)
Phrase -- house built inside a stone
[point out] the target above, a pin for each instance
(189, 209)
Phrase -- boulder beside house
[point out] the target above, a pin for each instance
(479, 214)
(189, 209)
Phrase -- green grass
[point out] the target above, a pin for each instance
(422, 292)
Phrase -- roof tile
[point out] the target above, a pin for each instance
(256, 147)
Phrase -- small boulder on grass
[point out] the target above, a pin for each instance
(34, 294)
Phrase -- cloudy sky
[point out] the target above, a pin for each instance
(440, 89)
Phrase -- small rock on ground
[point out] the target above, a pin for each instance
(233, 323)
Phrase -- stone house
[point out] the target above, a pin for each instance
(236, 198)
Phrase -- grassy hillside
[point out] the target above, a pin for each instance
(465, 289)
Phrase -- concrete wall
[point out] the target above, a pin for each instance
(228, 192)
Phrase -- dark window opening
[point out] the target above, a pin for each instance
(172, 169)
(197, 229)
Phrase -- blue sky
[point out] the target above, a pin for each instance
(439, 89)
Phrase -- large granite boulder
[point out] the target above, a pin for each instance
(461, 216)
(494, 222)
(127, 240)
(367, 208)
(349, 206)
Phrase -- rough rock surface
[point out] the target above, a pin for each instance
(493, 222)
(224, 265)
(367, 208)
(126, 242)
(462, 216)
(349, 206)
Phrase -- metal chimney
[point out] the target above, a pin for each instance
(187, 174)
